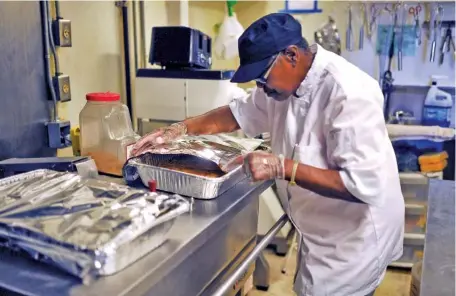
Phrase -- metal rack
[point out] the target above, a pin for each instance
(415, 190)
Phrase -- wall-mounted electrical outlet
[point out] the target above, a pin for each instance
(62, 32)
(58, 134)
(62, 88)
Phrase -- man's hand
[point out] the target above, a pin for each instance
(260, 166)
(220, 120)
(159, 136)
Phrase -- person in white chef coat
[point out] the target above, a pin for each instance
(334, 164)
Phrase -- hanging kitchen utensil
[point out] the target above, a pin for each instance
(375, 12)
(415, 12)
(328, 36)
(388, 31)
(427, 19)
(401, 40)
(367, 19)
(417, 26)
(438, 14)
(361, 27)
(387, 81)
(349, 33)
(447, 44)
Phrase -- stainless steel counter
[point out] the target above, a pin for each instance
(438, 271)
(193, 261)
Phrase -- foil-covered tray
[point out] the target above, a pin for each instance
(208, 153)
(182, 183)
(85, 227)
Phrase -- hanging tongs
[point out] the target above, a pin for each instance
(438, 14)
(447, 44)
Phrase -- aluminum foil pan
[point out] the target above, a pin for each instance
(181, 183)
(207, 153)
(85, 227)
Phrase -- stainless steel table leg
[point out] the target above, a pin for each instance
(261, 273)
(140, 127)
(283, 245)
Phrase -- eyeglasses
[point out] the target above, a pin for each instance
(264, 77)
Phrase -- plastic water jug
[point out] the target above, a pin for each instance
(437, 106)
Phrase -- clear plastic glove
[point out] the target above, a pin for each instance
(159, 136)
(259, 166)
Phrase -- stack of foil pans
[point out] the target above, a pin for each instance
(86, 227)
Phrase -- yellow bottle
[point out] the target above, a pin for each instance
(75, 135)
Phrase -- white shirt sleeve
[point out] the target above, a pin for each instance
(357, 142)
(251, 113)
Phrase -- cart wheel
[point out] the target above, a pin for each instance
(281, 249)
(262, 288)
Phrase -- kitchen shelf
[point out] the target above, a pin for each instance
(415, 207)
(415, 236)
(415, 190)
(402, 264)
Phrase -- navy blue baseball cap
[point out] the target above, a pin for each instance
(263, 39)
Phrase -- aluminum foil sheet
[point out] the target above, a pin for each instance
(85, 227)
(207, 153)
(219, 149)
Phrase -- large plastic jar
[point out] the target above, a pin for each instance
(106, 131)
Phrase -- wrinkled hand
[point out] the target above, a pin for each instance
(260, 166)
(159, 136)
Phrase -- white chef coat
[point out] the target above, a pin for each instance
(338, 123)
